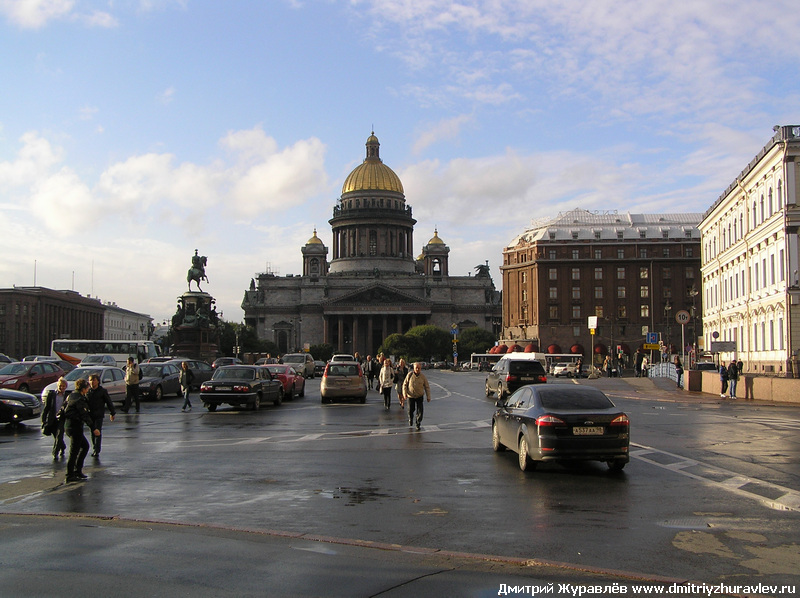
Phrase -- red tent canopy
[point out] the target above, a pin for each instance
(516, 349)
(576, 349)
(502, 349)
(531, 348)
(553, 349)
(600, 349)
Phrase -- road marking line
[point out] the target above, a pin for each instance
(786, 498)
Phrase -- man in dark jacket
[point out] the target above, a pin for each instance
(98, 400)
(77, 413)
(733, 378)
(53, 401)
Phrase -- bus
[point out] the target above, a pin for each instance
(74, 350)
(476, 359)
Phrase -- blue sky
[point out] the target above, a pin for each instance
(133, 132)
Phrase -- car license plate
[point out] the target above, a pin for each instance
(37, 410)
(527, 378)
(224, 388)
(587, 431)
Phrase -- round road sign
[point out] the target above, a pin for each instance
(682, 317)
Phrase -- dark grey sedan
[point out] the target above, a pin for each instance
(561, 423)
(159, 379)
(241, 386)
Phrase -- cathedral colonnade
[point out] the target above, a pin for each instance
(365, 333)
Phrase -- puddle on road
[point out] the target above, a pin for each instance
(354, 496)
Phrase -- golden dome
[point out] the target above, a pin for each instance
(372, 174)
(315, 240)
(435, 240)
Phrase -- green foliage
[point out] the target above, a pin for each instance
(403, 346)
(435, 343)
(321, 352)
(474, 340)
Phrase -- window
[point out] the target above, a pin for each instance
(644, 291)
(373, 243)
(552, 254)
(554, 312)
(620, 254)
(643, 253)
(687, 251)
(665, 234)
(622, 311)
(598, 274)
(575, 254)
(644, 311)
(552, 236)
(597, 235)
(642, 234)
(667, 292)
(666, 273)
(644, 272)
(575, 234)
(576, 330)
(576, 311)
(621, 272)
(598, 292)
(620, 292)
(665, 252)
(780, 266)
(576, 292)
(598, 254)
(689, 272)
(553, 274)
(576, 274)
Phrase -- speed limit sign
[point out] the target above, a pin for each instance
(682, 317)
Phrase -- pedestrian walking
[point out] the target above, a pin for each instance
(386, 381)
(98, 399)
(637, 363)
(369, 367)
(415, 389)
(186, 378)
(723, 379)
(733, 379)
(133, 374)
(607, 366)
(679, 371)
(76, 413)
(400, 373)
(52, 425)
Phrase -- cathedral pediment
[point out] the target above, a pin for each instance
(376, 295)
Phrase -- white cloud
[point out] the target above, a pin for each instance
(446, 129)
(166, 96)
(34, 160)
(34, 14)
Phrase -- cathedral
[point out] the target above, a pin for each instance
(372, 286)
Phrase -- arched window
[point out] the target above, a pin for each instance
(769, 202)
(762, 208)
(780, 194)
(373, 242)
(755, 215)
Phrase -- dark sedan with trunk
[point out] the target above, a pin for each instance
(241, 386)
(561, 423)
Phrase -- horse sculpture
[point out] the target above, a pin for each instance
(198, 270)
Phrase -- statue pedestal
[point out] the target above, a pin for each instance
(194, 327)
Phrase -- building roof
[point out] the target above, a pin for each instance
(372, 174)
(580, 224)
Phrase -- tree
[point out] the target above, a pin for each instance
(434, 342)
(402, 346)
(474, 340)
(321, 352)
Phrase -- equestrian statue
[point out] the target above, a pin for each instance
(198, 270)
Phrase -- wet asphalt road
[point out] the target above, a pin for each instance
(711, 495)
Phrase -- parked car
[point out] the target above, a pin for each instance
(29, 376)
(563, 423)
(6, 359)
(37, 358)
(98, 360)
(319, 367)
(708, 366)
(303, 361)
(508, 375)
(202, 371)
(343, 357)
(112, 379)
(343, 379)
(566, 368)
(240, 385)
(293, 384)
(159, 379)
(17, 406)
(220, 361)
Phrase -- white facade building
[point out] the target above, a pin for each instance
(750, 261)
(122, 324)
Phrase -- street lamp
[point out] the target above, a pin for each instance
(667, 310)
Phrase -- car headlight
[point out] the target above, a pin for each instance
(12, 402)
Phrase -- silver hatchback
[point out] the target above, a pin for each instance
(343, 380)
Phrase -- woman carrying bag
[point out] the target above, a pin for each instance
(386, 381)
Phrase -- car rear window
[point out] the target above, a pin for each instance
(343, 370)
(525, 367)
(235, 373)
(572, 399)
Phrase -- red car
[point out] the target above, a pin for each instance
(293, 383)
(29, 376)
